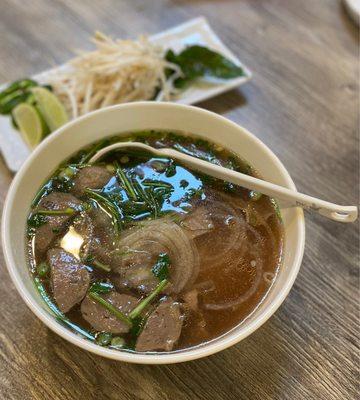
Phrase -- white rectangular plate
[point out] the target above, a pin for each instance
(196, 31)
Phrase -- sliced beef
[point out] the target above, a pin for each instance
(70, 279)
(197, 222)
(55, 224)
(101, 319)
(162, 329)
(98, 232)
(93, 177)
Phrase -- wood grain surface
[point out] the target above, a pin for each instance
(304, 103)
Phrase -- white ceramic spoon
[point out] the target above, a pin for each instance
(289, 197)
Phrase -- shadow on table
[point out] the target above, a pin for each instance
(258, 366)
(225, 102)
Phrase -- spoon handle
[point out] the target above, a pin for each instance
(290, 197)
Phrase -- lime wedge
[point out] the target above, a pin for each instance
(50, 108)
(29, 122)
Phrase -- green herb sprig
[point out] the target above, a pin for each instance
(199, 61)
(108, 206)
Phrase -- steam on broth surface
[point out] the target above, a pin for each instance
(141, 253)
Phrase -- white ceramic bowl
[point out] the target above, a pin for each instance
(134, 117)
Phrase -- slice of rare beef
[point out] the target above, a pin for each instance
(197, 222)
(93, 177)
(101, 319)
(97, 230)
(55, 224)
(162, 329)
(70, 279)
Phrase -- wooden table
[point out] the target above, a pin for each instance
(302, 102)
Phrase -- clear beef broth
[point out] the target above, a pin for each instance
(217, 246)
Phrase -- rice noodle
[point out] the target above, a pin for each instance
(117, 71)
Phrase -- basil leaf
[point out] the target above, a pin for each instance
(198, 61)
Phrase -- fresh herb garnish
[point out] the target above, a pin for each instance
(108, 206)
(67, 173)
(170, 170)
(154, 204)
(97, 264)
(138, 324)
(42, 269)
(199, 61)
(43, 190)
(125, 182)
(148, 198)
(277, 209)
(65, 211)
(147, 300)
(101, 287)
(103, 338)
(36, 220)
(117, 342)
(161, 267)
(61, 184)
(157, 184)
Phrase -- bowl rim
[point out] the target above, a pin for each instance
(141, 358)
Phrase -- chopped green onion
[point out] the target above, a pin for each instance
(38, 195)
(125, 182)
(42, 269)
(67, 173)
(103, 338)
(66, 211)
(170, 170)
(144, 303)
(155, 207)
(117, 342)
(110, 207)
(101, 287)
(159, 184)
